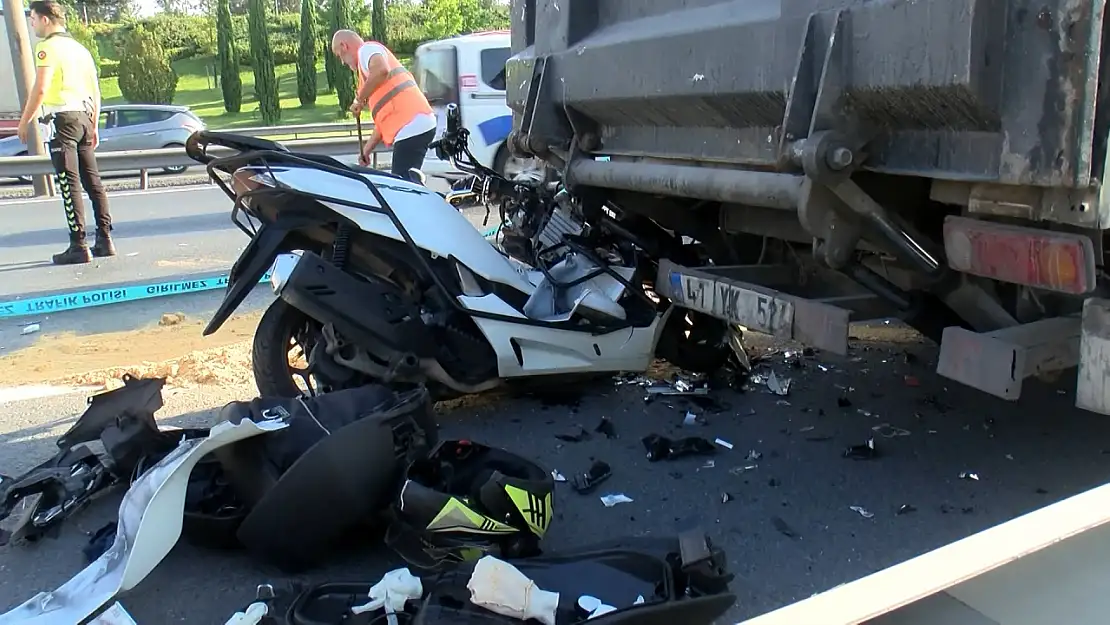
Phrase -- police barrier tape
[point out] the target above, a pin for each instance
(114, 295)
(119, 295)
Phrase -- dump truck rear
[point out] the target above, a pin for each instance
(940, 162)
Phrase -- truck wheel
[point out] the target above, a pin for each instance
(694, 341)
(280, 332)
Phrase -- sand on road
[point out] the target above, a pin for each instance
(177, 351)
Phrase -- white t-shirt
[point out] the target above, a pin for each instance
(422, 122)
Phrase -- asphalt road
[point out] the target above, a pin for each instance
(160, 235)
(786, 523)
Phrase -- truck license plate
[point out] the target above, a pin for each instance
(758, 311)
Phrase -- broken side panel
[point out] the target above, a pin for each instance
(988, 90)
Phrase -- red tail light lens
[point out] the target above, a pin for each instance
(1055, 261)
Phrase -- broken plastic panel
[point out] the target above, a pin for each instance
(150, 520)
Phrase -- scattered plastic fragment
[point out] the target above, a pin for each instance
(584, 483)
(663, 448)
(911, 380)
(753, 456)
(862, 512)
(617, 498)
(905, 509)
(823, 368)
(967, 475)
(558, 477)
(863, 412)
(725, 497)
(743, 469)
(778, 386)
(99, 542)
(693, 419)
(843, 402)
(679, 387)
(253, 615)
(865, 451)
(576, 436)
(808, 428)
(30, 328)
(887, 430)
(605, 427)
(784, 529)
(723, 443)
(740, 355)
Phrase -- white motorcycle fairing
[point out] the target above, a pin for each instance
(523, 348)
(150, 519)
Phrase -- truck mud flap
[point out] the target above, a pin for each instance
(1047, 566)
(756, 307)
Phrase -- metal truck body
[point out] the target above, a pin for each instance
(841, 160)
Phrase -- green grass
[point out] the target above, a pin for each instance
(197, 90)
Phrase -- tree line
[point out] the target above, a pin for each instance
(265, 38)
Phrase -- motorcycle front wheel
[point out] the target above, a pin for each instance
(284, 338)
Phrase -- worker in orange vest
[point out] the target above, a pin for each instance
(403, 119)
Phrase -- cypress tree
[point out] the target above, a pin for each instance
(343, 77)
(306, 56)
(262, 61)
(230, 82)
(377, 21)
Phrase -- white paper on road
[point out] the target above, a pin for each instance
(114, 615)
(150, 519)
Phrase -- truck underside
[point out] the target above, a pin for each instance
(841, 160)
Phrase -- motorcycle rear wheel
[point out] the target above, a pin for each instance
(282, 328)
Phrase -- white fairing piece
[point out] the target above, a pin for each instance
(522, 349)
(433, 224)
(150, 519)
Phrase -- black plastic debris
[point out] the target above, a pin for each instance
(784, 529)
(725, 497)
(663, 448)
(99, 542)
(843, 402)
(865, 451)
(577, 435)
(605, 428)
(968, 475)
(905, 509)
(584, 483)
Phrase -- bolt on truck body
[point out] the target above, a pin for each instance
(940, 162)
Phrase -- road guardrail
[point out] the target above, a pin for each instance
(144, 160)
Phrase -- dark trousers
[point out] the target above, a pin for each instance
(71, 152)
(409, 153)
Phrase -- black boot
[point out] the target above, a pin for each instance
(103, 246)
(76, 254)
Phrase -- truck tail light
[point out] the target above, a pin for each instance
(1055, 261)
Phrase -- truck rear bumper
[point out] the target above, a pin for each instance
(816, 313)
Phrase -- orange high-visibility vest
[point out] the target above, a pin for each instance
(395, 102)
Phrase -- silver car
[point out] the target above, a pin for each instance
(133, 127)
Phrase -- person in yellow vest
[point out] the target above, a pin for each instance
(403, 119)
(66, 99)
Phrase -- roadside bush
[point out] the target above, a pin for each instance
(145, 74)
(109, 68)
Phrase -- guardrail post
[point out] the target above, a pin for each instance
(144, 179)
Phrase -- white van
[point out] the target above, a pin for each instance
(469, 70)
